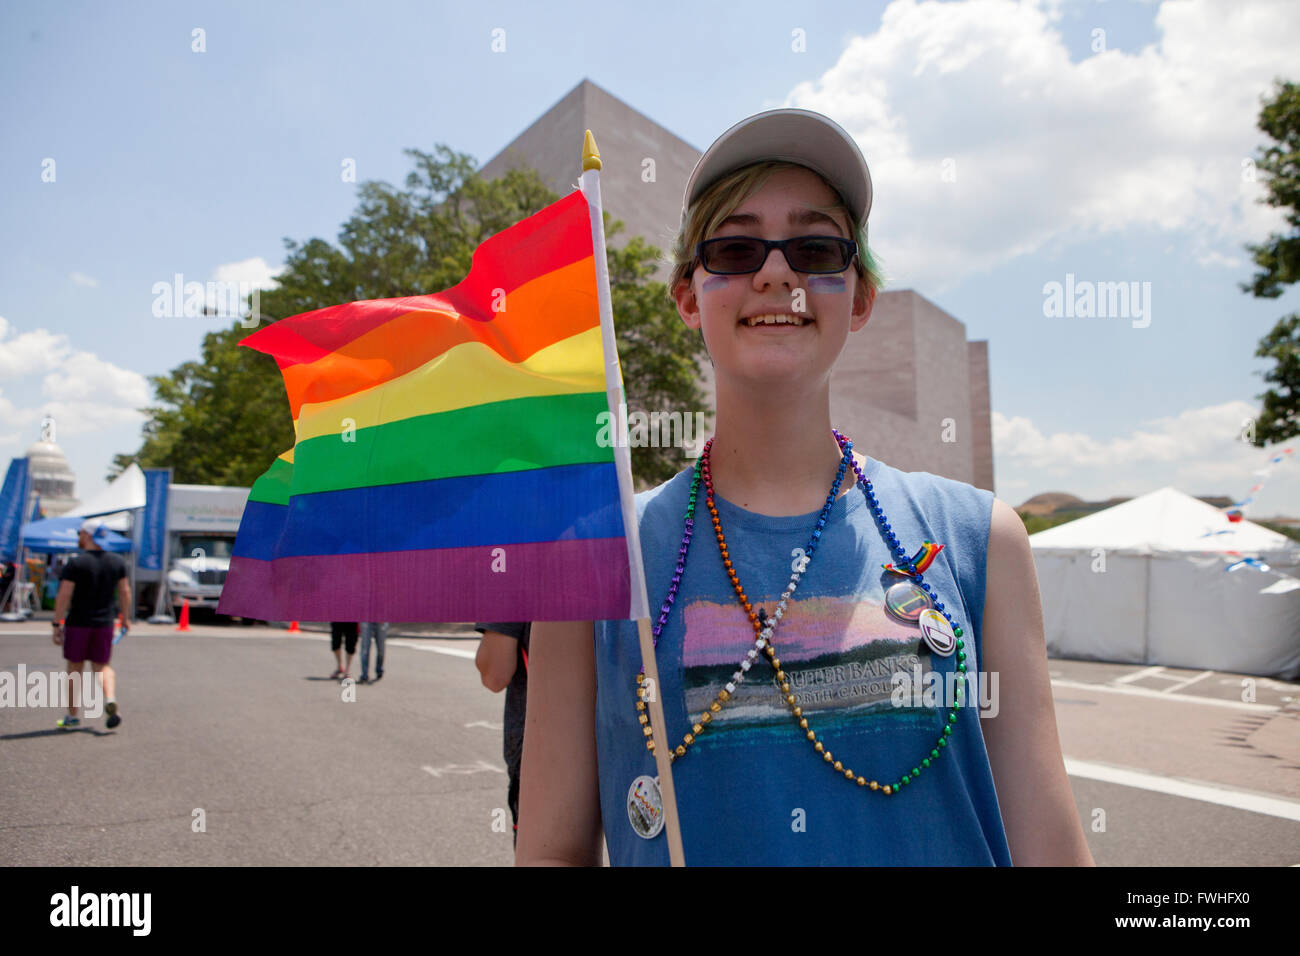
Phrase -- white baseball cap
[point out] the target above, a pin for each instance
(794, 136)
(91, 526)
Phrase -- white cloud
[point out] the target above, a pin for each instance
(1199, 451)
(83, 377)
(11, 416)
(254, 271)
(1208, 438)
(30, 353)
(84, 393)
(81, 418)
(229, 291)
(1213, 258)
(1045, 149)
(82, 279)
(1006, 485)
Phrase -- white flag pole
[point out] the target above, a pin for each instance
(640, 604)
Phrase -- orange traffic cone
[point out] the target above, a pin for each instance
(293, 628)
(184, 623)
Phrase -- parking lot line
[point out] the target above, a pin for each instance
(1191, 680)
(1188, 789)
(449, 651)
(1138, 675)
(1161, 695)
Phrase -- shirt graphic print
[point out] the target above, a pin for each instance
(864, 682)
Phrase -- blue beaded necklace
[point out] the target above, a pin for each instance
(764, 626)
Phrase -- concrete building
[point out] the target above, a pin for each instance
(643, 171)
(913, 392)
(909, 388)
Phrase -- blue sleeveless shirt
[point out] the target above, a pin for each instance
(752, 790)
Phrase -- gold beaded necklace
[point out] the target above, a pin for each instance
(763, 629)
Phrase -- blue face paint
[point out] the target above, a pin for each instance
(713, 282)
(826, 284)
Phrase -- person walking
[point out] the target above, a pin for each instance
(83, 619)
(342, 632)
(378, 632)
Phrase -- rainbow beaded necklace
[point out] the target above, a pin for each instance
(764, 627)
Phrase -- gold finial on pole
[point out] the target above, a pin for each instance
(590, 155)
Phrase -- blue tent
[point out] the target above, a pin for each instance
(60, 534)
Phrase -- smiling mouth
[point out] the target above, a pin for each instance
(775, 319)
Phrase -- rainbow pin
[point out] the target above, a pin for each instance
(920, 561)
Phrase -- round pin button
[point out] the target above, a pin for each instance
(937, 632)
(645, 807)
(905, 601)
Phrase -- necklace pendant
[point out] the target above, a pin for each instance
(937, 632)
(906, 600)
(645, 807)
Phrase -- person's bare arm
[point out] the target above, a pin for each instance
(62, 601)
(559, 793)
(1024, 749)
(124, 600)
(496, 660)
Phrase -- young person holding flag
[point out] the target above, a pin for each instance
(796, 585)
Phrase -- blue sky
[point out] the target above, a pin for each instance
(1113, 156)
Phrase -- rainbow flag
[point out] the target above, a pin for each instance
(446, 464)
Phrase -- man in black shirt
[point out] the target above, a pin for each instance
(85, 599)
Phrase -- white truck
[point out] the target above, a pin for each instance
(201, 525)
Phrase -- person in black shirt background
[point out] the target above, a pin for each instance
(83, 618)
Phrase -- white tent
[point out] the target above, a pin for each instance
(1147, 582)
(124, 493)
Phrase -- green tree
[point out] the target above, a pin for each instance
(1279, 264)
(224, 419)
(656, 350)
(216, 421)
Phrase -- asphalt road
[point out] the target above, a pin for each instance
(243, 724)
(250, 730)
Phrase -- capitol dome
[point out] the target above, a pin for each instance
(52, 478)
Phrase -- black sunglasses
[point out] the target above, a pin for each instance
(739, 255)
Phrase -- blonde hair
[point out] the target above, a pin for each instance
(726, 195)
